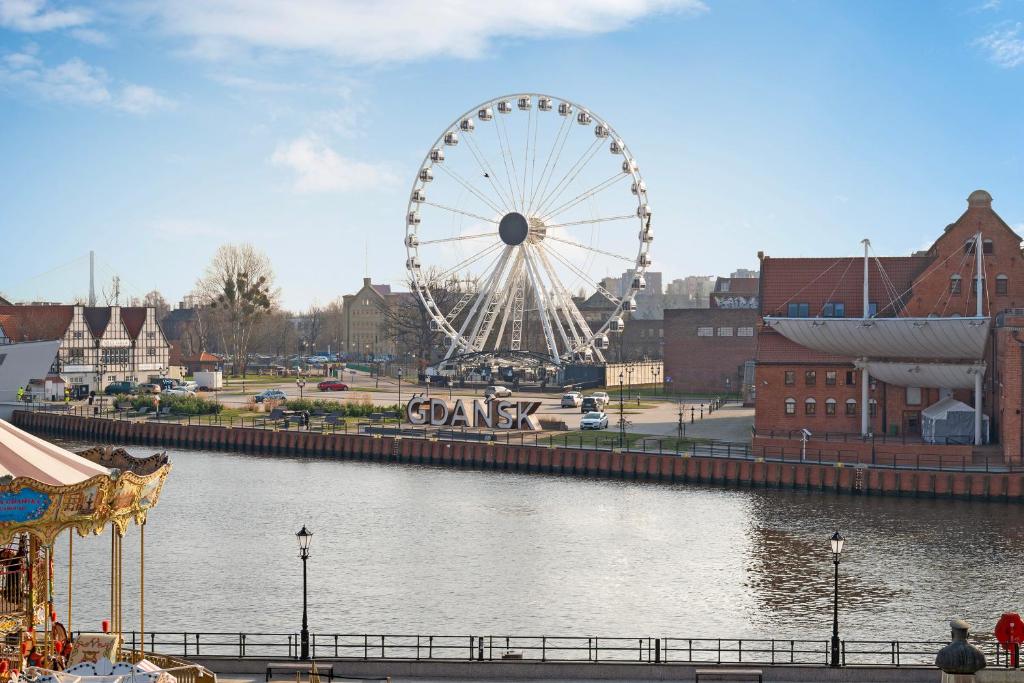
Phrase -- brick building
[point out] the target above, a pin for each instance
(735, 292)
(705, 349)
(922, 344)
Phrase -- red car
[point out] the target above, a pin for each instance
(332, 385)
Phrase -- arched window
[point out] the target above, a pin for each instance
(1002, 284)
(954, 284)
(790, 406)
(810, 407)
(830, 406)
(851, 406)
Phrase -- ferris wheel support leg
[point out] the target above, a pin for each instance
(555, 298)
(487, 297)
(540, 295)
(457, 342)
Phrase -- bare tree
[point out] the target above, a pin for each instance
(238, 287)
(157, 301)
(333, 330)
(411, 325)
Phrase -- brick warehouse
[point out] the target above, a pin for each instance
(706, 348)
(922, 345)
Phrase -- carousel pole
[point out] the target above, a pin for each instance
(142, 591)
(71, 557)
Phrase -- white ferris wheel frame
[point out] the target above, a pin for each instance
(578, 339)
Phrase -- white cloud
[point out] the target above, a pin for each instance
(1005, 46)
(400, 30)
(77, 82)
(90, 36)
(31, 16)
(318, 168)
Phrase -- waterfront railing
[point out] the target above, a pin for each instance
(813, 453)
(644, 650)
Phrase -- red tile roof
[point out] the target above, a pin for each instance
(134, 317)
(34, 323)
(97, 318)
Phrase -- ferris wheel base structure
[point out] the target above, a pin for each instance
(508, 215)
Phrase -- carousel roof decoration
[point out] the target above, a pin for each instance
(45, 489)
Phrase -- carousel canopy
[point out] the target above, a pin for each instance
(25, 455)
(945, 338)
(935, 375)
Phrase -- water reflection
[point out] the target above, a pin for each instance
(430, 550)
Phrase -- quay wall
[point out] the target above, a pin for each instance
(376, 669)
(732, 472)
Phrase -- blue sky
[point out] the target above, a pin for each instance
(154, 131)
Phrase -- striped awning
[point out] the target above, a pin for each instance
(933, 375)
(890, 338)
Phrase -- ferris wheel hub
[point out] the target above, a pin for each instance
(513, 228)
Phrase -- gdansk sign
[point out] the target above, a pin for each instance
(492, 414)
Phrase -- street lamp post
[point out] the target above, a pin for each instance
(629, 382)
(681, 427)
(399, 388)
(622, 416)
(427, 381)
(657, 371)
(837, 548)
(305, 537)
(300, 382)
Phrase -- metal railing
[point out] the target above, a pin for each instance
(593, 649)
(606, 441)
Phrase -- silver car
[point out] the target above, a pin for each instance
(594, 420)
(573, 399)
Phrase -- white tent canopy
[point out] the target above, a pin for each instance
(935, 375)
(948, 421)
(941, 338)
(25, 455)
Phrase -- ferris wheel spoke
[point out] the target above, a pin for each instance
(460, 238)
(588, 221)
(466, 184)
(589, 248)
(574, 318)
(586, 194)
(586, 277)
(526, 157)
(570, 175)
(540, 297)
(460, 340)
(559, 138)
(558, 302)
(488, 170)
(471, 260)
(533, 163)
(489, 298)
(509, 175)
(464, 213)
(514, 282)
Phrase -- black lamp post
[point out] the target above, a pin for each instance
(622, 416)
(399, 387)
(300, 383)
(837, 549)
(304, 537)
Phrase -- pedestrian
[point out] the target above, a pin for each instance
(21, 394)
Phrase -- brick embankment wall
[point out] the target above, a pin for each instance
(717, 471)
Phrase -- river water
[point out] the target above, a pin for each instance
(412, 549)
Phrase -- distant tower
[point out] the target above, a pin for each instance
(92, 278)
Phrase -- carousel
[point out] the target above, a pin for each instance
(48, 496)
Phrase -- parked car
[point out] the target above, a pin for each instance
(270, 395)
(497, 391)
(602, 396)
(179, 391)
(594, 420)
(149, 388)
(590, 404)
(573, 399)
(332, 385)
(120, 388)
(191, 386)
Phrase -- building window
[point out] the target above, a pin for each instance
(810, 378)
(744, 331)
(830, 406)
(76, 355)
(954, 284)
(969, 246)
(799, 310)
(851, 407)
(830, 378)
(1002, 285)
(724, 331)
(150, 351)
(790, 406)
(913, 396)
(872, 407)
(790, 378)
(851, 378)
(986, 246)
(974, 285)
(872, 309)
(833, 310)
(76, 335)
(705, 331)
(151, 335)
(810, 407)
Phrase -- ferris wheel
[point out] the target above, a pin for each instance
(520, 202)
